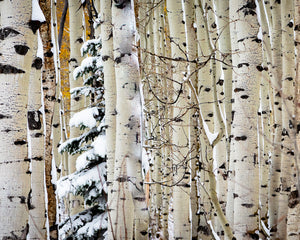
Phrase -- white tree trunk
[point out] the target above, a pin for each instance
(128, 205)
(244, 124)
(16, 46)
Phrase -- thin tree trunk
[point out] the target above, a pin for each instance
(49, 87)
(110, 98)
(36, 203)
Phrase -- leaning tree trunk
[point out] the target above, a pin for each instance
(128, 208)
(49, 87)
(244, 124)
(16, 47)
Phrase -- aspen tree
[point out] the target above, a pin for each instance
(36, 202)
(180, 141)
(206, 98)
(265, 122)
(110, 97)
(224, 89)
(293, 228)
(17, 34)
(276, 76)
(287, 98)
(244, 136)
(76, 40)
(49, 87)
(155, 114)
(191, 37)
(128, 206)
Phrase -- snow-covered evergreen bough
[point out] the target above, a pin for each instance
(89, 180)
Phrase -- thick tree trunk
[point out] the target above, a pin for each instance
(244, 136)
(129, 206)
(16, 46)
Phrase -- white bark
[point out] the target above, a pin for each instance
(244, 124)
(16, 48)
(129, 205)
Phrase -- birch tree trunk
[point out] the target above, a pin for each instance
(78, 103)
(276, 76)
(244, 136)
(36, 203)
(293, 228)
(191, 37)
(128, 199)
(16, 47)
(288, 139)
(110, 98)
(180, 132)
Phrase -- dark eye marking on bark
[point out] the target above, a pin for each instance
(207, 89)
(29, 201)
(241, 65)
(21, 49)
(34, 121)
(48, 54)
(37, 63)
(244, 96)
(20, 142)
(7, 32)
(220, 82)
(297, 27)
(241, 138)
(121, 3)
(105, 58)
(290, 24)
(259, 68)
(4, 116)
(79, 40)
(248, 8)
(8, 69)
(293, 199)
(239, 89)
(34, 25)
(247, 205)
(37, 158)
(22, 199)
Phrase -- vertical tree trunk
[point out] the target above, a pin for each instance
(78, 103)
(36, 203)
(16, 46)
(49, 87)
(180, 132)
(191, 37)
(244, 136)
(129, 206)
(110, 99)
